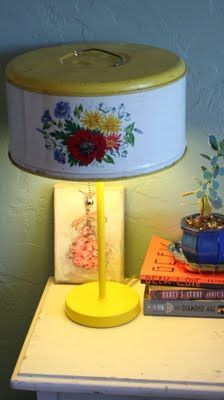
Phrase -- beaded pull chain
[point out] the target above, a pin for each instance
(89, 198)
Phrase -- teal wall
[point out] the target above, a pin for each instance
(195, 30)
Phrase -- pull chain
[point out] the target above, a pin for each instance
(89, 198)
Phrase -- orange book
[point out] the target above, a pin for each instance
(161, 268)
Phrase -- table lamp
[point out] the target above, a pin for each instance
(96, 112)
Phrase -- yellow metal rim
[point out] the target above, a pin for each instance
(50, 70)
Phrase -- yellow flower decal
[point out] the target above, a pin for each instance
(91, 120)
(110, 124)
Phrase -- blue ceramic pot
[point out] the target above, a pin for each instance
(201, 246)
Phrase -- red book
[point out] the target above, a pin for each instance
(161, 268)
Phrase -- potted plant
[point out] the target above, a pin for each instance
(203, 233)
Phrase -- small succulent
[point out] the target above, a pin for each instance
(208, 185)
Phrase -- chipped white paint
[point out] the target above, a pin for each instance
(152, 356)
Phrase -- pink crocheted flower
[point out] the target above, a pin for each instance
(83, 251)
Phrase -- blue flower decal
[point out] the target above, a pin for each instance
(46, 117)
(62, 109)
(59, 156)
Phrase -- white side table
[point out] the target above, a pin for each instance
(155, 357)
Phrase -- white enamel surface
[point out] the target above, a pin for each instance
(159, 114)
(155, 357)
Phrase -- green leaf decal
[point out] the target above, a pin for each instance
(78, 111)
(129, 139)
(70, 126)
(72, 161)
(59, 135)
(108, 159)
(129, 128)
(129, 136)
(46, 125)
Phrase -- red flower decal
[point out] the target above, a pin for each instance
(113, 141)
(85, 146)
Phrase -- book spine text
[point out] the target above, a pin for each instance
(194, 282)
(188, 308)
(195, 294)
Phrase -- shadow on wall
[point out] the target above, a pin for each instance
(26, 261)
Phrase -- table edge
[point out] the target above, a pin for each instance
(113, 386)
(15, 374)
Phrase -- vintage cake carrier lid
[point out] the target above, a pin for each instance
(96, 110)
(93, 69)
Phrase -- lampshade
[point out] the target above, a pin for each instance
(97, 111)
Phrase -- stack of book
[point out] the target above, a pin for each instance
(170, 289)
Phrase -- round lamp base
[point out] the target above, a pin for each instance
(121, 305)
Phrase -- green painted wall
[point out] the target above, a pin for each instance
(195, 30)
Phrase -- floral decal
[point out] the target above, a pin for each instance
(81, 137)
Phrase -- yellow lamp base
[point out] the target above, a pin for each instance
(121, 305)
